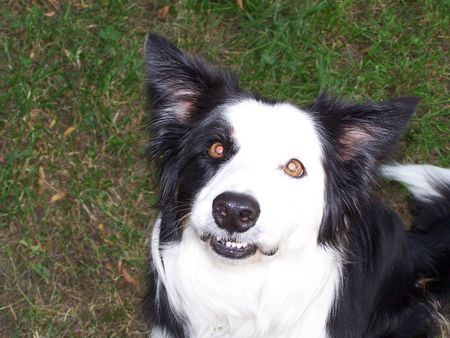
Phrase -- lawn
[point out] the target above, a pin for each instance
(76, 192)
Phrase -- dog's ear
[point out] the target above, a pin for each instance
(356, 137)
(364, 132)
(180, 86)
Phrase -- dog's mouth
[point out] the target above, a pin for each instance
(230, 248)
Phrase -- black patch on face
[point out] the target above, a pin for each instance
(186, 96)
(196, 167)
(186, 166)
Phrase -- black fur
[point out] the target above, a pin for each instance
(158, 310)
(382, 293)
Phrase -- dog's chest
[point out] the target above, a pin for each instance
(277, 297)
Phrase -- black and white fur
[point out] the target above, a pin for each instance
(324, 257)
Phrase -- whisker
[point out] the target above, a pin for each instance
(176, 228)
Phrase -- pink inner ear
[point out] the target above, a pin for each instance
(353, 140)
(182, 110)
(184, 99)
(185, 92)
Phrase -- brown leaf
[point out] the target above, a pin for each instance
(162, 13)
(57, 197)
(81, 5)
(104, 234)
(101, 227)
(69, 131)
(32, 51)
(41, 181)
(126, 275)
(240, 4)
(50, 14)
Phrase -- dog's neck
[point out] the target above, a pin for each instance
(283, 295)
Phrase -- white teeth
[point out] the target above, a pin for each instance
(231, 244)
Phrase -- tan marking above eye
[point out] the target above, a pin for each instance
(216, 150)
(294, 168)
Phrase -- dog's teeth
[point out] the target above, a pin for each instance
(233, 245)
(239, 245)
(228, 244)
(218, 238)
(244, 245)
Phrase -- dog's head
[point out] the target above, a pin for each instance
(255, 177)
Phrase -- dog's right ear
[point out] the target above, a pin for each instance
(177, 84)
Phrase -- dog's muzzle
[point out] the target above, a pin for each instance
(235, 213)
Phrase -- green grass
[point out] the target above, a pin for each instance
(75, 192)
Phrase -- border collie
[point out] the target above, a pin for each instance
(269, 223)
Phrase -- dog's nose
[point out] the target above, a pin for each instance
(235, 212)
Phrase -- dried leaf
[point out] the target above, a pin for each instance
(69, 131)
(240, 4)
(162, 13)
(52, 123)
(81, 5)
(50, 14)
(41, 181)
(32, 51)
(104, 234)
(57, 197)
(107, 241)
(126, 275)
(101, 227)
(68, 53)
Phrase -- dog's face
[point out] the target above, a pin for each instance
(267, 193)
(255, 178)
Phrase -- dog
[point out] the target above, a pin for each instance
(270, 225)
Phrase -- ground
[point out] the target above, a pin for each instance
(76, 193)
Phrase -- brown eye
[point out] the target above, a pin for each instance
(216, 150)
(294, 168)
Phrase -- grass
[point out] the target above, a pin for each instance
(75, 193)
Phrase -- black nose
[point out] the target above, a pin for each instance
(235, 212)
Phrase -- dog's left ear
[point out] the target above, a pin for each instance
(355, 138)
(364, 132)
(180, 86)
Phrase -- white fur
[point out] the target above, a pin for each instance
(280, 296)
(289, 294)
(420, 179)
